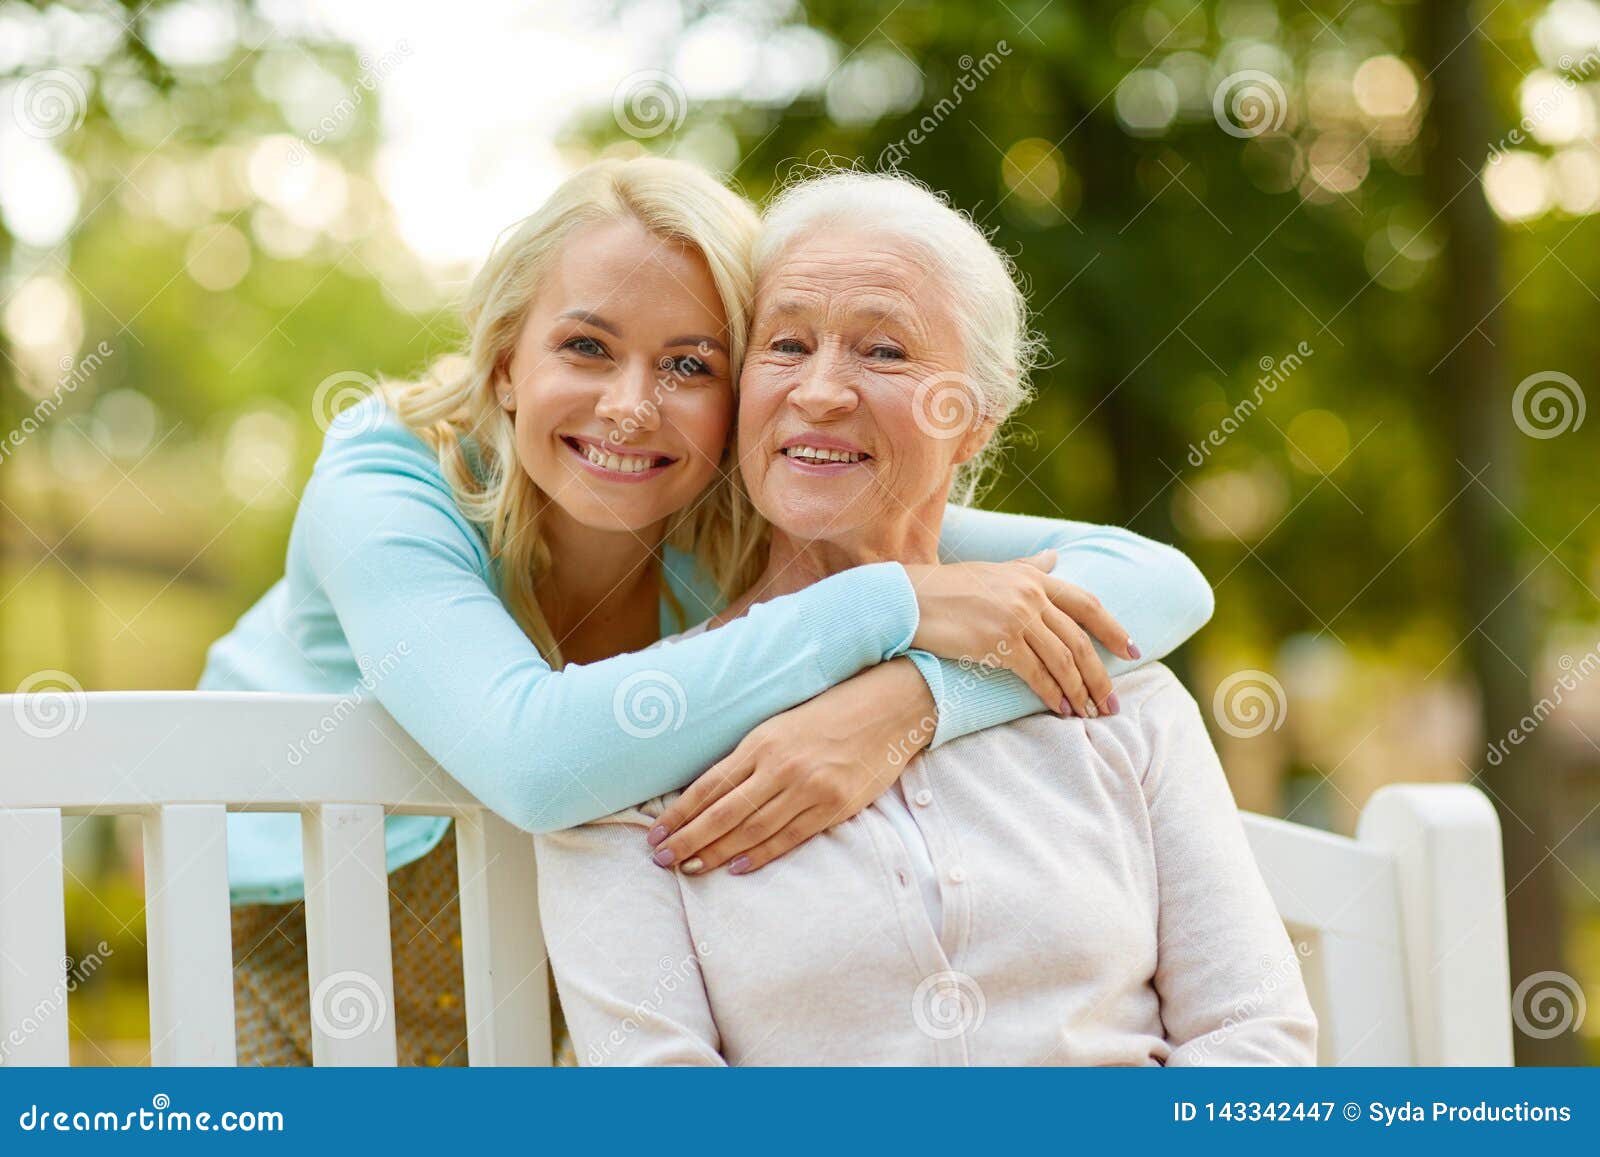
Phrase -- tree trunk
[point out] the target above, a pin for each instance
(1468, 391)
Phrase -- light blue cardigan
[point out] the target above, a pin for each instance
(389, 587)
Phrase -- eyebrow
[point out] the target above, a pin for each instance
(592, 318)
(790, 306)
(695, 339)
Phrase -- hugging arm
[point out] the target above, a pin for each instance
(1227, 975)
(407, 576)
(625, 964)
(1153, 590)
(820, 763)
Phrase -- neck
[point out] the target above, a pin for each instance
(794, 563)
(593, 572)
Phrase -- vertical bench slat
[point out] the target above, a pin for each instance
(190, 939)
(502, 945)
(33, 939)
(347, 936)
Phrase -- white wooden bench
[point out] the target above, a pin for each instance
(1403, 927)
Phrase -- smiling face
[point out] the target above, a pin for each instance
(853, 368)
(620, 381)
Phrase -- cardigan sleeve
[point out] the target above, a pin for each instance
(408, 577)
(1227, 976)
(626, 966)
(1152, 589)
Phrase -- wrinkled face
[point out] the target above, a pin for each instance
(620, 381)
(853, 410)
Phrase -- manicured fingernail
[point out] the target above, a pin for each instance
(664, 857)
(1112, 704)
(1133, 649)
(1066, 708)
(1091, 710)
(740, 865)
(657, 834)
(692, 865)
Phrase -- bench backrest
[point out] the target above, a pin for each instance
(1402, 928)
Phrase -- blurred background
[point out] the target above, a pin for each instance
(1320, 284)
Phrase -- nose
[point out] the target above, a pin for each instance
(825, 389)
(630, 400)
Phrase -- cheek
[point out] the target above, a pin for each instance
(704, 419)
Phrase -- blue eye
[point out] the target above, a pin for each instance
(686, 366)
(887, 353)
(585, 345)
(788, 345)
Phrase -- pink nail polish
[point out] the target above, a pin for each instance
(657, 834)
(1066, 707)
(1133, 649)
(1111, 703)
(739, 866)
(664, 857)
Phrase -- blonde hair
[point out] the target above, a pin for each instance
(453, 408)
(982, 281)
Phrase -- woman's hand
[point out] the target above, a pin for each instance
(800, 773)
(1019, 616)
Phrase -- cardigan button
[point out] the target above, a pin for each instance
(924, 797)
(904, 879)
(957, 875)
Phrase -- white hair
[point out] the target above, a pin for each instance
(980, 281)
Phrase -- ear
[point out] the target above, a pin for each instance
(504, 393)
(974, 440)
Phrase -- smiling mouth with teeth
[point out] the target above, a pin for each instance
(820, 456)
(619, 463)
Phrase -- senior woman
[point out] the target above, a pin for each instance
(1087, 897)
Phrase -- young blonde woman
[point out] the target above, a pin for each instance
(490, 550)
